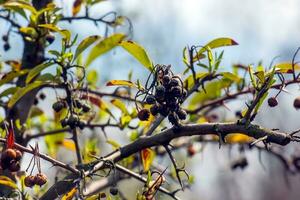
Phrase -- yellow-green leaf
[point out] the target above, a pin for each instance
(119, 104)
(219, 42)
(231, 76)
(238, 138)
(287, 67)
(84, 44)
(11, 75)
(113, 143)
(104, 46)
(121, 83)
(64, 33)
(4, 180)
(22, 91)
(20, 5)
(36, 70)
(138, 53)
(69, 195)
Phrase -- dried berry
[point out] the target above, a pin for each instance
(35, 101)
(164, 110)
(86, 108)
(42, 96)
(174, 82)
(18, 155)
(150, 99)
(73, 121)
(113, 191)
(181, 114)
(81, 124)
(154, 109)
(58, 106)
(297, 103)
(176, 91)
(172, 117)
(14, 166)
(272, 101)
(5, 38)
(9, 153)
(77, 104)
(40, 179)
(64, 122)
(166, 79)
(144, 114)
(50, 38)
(6, 47)
(160, 92)
(191, 150)
(29, 181)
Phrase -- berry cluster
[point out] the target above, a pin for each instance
(39, 179)
(10, 159)
(167, 97)
(72, 120)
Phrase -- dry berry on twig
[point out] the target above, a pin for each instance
(297, 103)
(144, 114)
(113, 191)
(29, 181)
(40, 179)
(272, 102)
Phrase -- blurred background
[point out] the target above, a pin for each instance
(263, 29)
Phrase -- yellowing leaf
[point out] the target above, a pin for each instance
(147, 156)
(16, 65)
(69, 144)
(11, 75)
(4, 180)
(84, 44)
(121, 83)
(113, 143)
(20, 5)
(76, 7)
(231, 76)
(138, 53)
(64, 33)
(286, 67)
(69, 195)
(119, 104)
(219, 42)
(238, 138)
(36, 70)
(104, 46)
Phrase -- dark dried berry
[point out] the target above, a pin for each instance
(5, 38)
(144, 114)
(6, 47)
(181, 114)
(14, 166)
(239, 163)
(174, 82)
(73, 121)
(86, 108)
(81, 124)
(154, 109)
(297, 103)
(150, 99)
(40, 179)
(164, 110)
(35, 101)
(272, 102)
(113, 191)
(172, 117)
(166, 79)
(184, 93)
(58, 106)
(160, 92)
(238, 114)
(50, 38)
(102, 195)
(29, 181)
(18, 155)
(42, 96)
(176, 91)
(64, 122)
(77, 104)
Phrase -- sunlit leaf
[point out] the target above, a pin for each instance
(64, 33)
(238, 138)
(147, 156)
(138, 53)
(189, 81)
(11, 75)
(36, 70)
(119, 104)
(104, 46)
(69, 144)
(231, 76)
(113, 143)
(287, 67)
(219, 42)
(84, 44)
(20, 5)
(69, 195)
(121, 83)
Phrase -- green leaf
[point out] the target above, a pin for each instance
(4, 180)
(189, 81)
(104, 46)
(119, 104)
(138, 53)
(231, 76)
(11, 75)
(64, 33)
(219, 42)
(113, 143)
(22, 91)
(20, 5)
(85, 43)
(36, 70)
(8, 91)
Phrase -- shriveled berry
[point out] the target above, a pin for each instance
(154, 109)
(166, 79)
(150, 99)
(40, 179)
(29, 181)
(176, 91)
(5, 38)
(9, 153)
(174, 82)
(50, 38)
(18, 155)
(73, 121)
(144, 114)
(64, 122)
(164, 110)
(272, 102)
(81, 124)
(35, 101)
(297, 103)
(191, 150)
(113, 191)
(77, 104)
(6, 47)
(172, 117)
(181, 114)
(14, 166)
(58, 106)
(160, 92)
